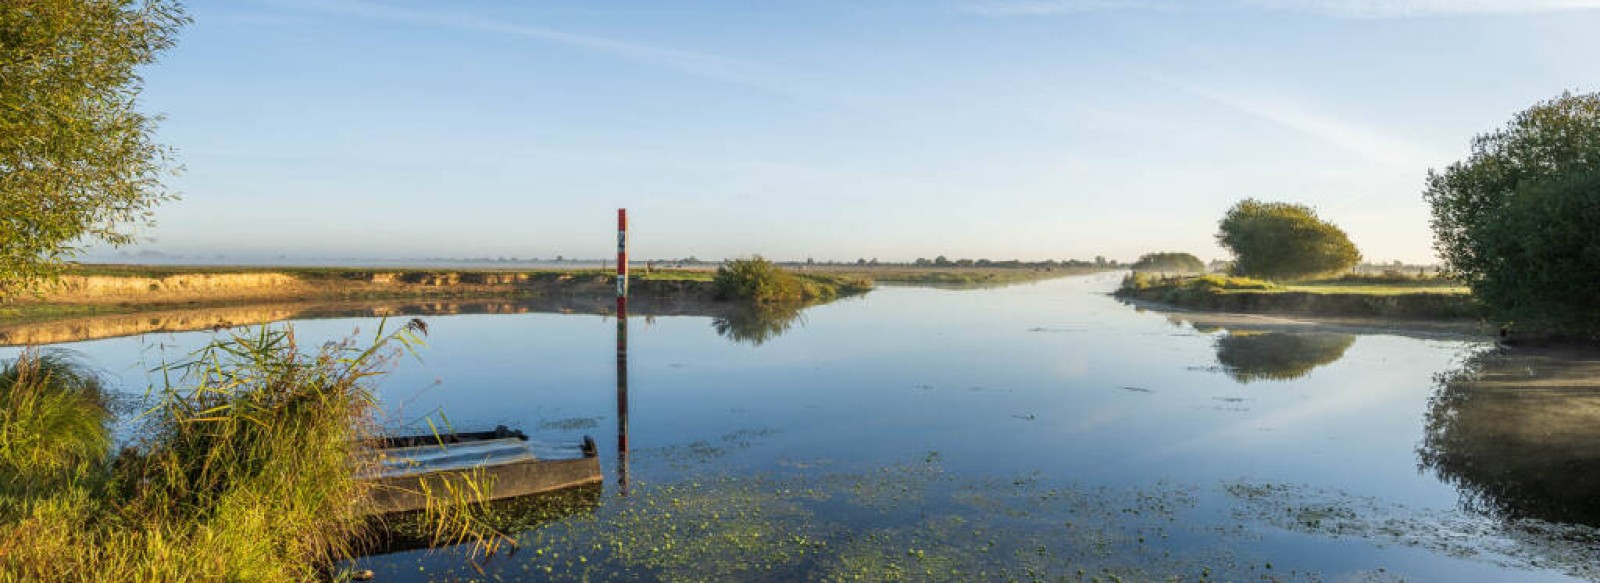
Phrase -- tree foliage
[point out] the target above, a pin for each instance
(77, 162)
(761, 281)
(1519, 219)
(757, 279)
(1170, 262)
(1279, 240)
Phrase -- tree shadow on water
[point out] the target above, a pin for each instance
(1517, 432)
(1250, 356)
(757, 323)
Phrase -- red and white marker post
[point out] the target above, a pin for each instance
(622, 351)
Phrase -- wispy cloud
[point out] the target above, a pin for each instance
(1350, 135)
(1421, 8)
(739, 72)
(1053, 7)
(695, 63)
(1361, 9)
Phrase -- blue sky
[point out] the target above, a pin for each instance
(895, 129)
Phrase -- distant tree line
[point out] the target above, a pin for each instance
(942, 261)
(1169, 262)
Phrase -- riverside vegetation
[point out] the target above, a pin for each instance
(1386, 296)
(102, 290)
(761, 281)
(246, 470)
(1513, 223)
(97, 291)
(1169, 262)
(1515, 220)
(99, 301)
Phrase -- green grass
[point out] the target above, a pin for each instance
(1224, 284)
(1342, 297)
(674, 275)
(248, 473)
(1210, 283)
(1387, 283)
(52, 418)
(1377, 290)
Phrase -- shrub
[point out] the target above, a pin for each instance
(1516, 219)
(1277, 240)
(756, 279)
(762, 281)
(1170, 262)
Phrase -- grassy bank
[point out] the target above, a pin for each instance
(1354, 296)
(93, 290)
(186, 304)
(96, 292)
(110, 290)
(248, 471)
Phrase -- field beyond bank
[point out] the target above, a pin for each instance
(1427, 298)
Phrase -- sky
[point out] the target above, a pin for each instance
(829, 129)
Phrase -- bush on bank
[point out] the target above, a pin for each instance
(759, 280)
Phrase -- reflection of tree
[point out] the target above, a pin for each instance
(757, 323)
(1518, 433)
(1279, 356)
(1178, 321)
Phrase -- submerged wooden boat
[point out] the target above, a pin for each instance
(501, 462)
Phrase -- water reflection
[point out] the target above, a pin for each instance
(1250, 356)
(755, 324)
(1516, 431)
(744, 323)
(622, 396)
(413, 531)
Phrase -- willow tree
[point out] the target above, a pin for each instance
(1279, 240)
(1517, 219)
(78, 164)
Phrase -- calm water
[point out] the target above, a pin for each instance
(1036, 431)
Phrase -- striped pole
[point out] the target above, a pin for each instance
(622, 351)
(622, 257)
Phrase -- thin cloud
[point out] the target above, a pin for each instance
(1425, 8)
(1349, 135)
(698, 64)
(1055, 7)
(1359, 9)
(750, 74)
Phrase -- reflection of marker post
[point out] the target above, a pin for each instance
(622, 351)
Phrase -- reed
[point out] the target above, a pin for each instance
(248, 473)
